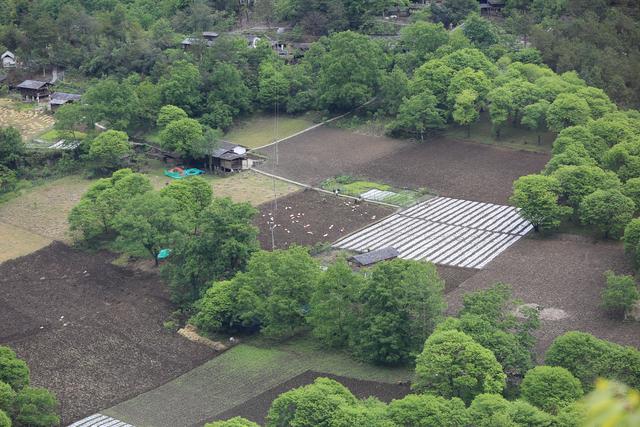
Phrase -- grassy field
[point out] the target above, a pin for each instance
(260, 129)
(510, 137)
(17, 242)
(53, 135)
(43, 210)
(355, 188)
(241, 373)
(23, 116)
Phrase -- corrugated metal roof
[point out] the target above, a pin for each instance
(378, 255)
(62, 97)
(32, 84)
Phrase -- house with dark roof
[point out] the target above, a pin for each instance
(58, 99)
(34, 90)
(369, 258)
(230, 157)
(206, 39)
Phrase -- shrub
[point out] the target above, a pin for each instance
(232, 422)
(620, 295)
(588, 358)
(550, 388)
(36, 407)
(13, 371)
(454, 365)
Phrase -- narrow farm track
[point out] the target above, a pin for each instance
(452, 232)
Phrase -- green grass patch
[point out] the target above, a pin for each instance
(260, 129)
(54, 135)
(518, 138)
(355, 187)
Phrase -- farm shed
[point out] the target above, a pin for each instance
(230, 157)
(207, 39)
(372, 257)
(58, 99)
(8, 60)
(34, 90)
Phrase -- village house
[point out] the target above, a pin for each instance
(8, 60)
(207, 39)
(230, 157)
(34, 90)
(58, 99)
(491, 7)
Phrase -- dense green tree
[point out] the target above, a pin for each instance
(454, 365)
(422, 39)
(332, 304)
(583, 137)
(490, 410)
(418, 114)
(550, 388)
(537, 198)
(7, 397)
(8, 179)
(13, 371)
(223, 244)
(577, 182)
(399, 305)
(620, 294)
(111, 102)
(168, 114)
(598, 101)
(273, 86)
(632, 236)
(93, 216)
(465, 109)
(588, 358)
(36, 407)
(183, 136)
(67, 119)
(609, 211)
(631, 189)
(350, 71)
(181, 87)
(471, 80)
(370, 412)
(500, 108)
(276, 290)
(149, 222)
(225, 84)
(426, 410)
(107, 151)
(5, 421)
(434, 77)
(567, 110)
(11, 147)
(480, 31)
(312, 405)
(394, 87)
(452, 12)
(534, 116)
(149, 101)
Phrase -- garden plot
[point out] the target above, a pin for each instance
(30, 122)
(453, 232)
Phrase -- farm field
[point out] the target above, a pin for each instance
(310, 217)
(260, 129)
(447, 167)
(17, 242)
(29, 121)
(43, 210)
(257, 408)
(90, 331)
(562, 272)
(231, 380)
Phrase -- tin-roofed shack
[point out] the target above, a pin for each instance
(58, 99)
(230, 157)
(369, 258)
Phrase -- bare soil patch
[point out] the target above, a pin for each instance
(563, 275)
(310, 217)
(447, 167)
(90, 331)
(257, 408)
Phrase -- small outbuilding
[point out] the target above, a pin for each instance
(34, 90)
(230, 157)
(58, 99)
(8, 60)
(369, 258)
